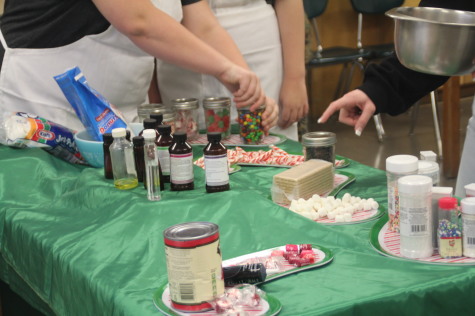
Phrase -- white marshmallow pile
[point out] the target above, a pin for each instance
(340, 210)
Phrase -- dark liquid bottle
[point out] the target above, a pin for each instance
(127, 135)
(149, 124)
(107, 141)
(157, 117)
(181, 164)
(164, 141)
(139, 159)
(216, 164)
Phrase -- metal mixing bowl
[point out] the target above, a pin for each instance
(435, 41)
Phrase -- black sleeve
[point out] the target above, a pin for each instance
(185, 2)
(394, 88)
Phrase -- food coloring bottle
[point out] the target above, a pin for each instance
(164, 141)
(122, 158)
(157, 117)
(107, 141)
(181, 163)
(216, 164)
(138, 142)
(149, 123)
(152, 172)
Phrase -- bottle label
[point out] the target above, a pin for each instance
(468, 232)
(216, 170)
(164, 158)
(415, 216)
(181, 168)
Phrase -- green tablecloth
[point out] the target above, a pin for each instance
(72, 244)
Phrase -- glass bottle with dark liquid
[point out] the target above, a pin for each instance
(181, 163)
(138, 142)
(107, 141)
(216, 164)
(164, 141)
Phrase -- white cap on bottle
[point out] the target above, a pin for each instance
(149, 133)
(402, 163)
(468, 205)
(119, 132)
(414, 184)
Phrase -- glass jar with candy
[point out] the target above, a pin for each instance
(186, 116)
(319, 145)
(250, 125)
(217, 115)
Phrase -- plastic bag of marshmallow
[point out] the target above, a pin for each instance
(21, 130)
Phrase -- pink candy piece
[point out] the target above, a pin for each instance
(307, 253)
(299, 262)
(277, 253)
(305, 247)
(291, 247)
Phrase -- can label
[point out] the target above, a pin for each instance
(194, 272)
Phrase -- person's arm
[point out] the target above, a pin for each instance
(293, 97)
(161, 36)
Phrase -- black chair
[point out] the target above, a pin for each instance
(348, 57)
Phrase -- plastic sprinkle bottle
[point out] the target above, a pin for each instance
(122, 157)
(449, 233)
(468, 220)
(107, 141)
(416, 216)
(216, 164)
(396, 167)
(181, 163)
(250, 125)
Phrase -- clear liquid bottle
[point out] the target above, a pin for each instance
(216, 164)
(152, 166)
(181, 164)
(164, 141)
(107, 141)
(122, 158)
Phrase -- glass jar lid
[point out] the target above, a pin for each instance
(318, 139)
(216, 102)
(185, 103)
(146, 109)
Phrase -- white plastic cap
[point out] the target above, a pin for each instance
(414, 184)
(149, 133)
(118, 132)
(442, 191)
(402, 163)
(425, 166)
(468, 205)
(470, 189)
(428, 155)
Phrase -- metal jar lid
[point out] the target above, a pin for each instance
(190, 231)
(185, 104)
(318, 139)
(216, 102)
(146, 109)
(168, 113)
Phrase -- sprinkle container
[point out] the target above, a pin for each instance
(217, 115)
(430, 169)
(319, 145)
(250, 125)
(468, 223)
(449, 234)
(187, 116)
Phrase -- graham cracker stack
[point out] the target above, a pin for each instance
(311, 177)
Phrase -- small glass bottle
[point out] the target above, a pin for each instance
(416, 216)
(138, 142)
(107, 141)
(181, 163)
(149, 123)
(216, 164)
(468, 224)
(319, 145)
(164, 141)
(250, 125)
(152, 171)
(122, 157)
(127, 135)
(396, 167)
(449, 235)
(218, 115)
(187, 116)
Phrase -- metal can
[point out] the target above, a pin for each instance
(194, 261)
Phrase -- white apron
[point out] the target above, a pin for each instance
(253, 26)
(466, 174)
(112, 64)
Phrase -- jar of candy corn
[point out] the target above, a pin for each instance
(186, 116)
(250, 125)
(217, 115)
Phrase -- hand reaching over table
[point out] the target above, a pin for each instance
(270, 115)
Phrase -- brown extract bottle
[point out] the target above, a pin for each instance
(107, 141)
(149, 124)
(157, 117)
(181, 163)
(216, 164)
(164, 141)
(139, 159)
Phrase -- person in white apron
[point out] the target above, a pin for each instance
(118, 66)
(254, 27)
(392, 88)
